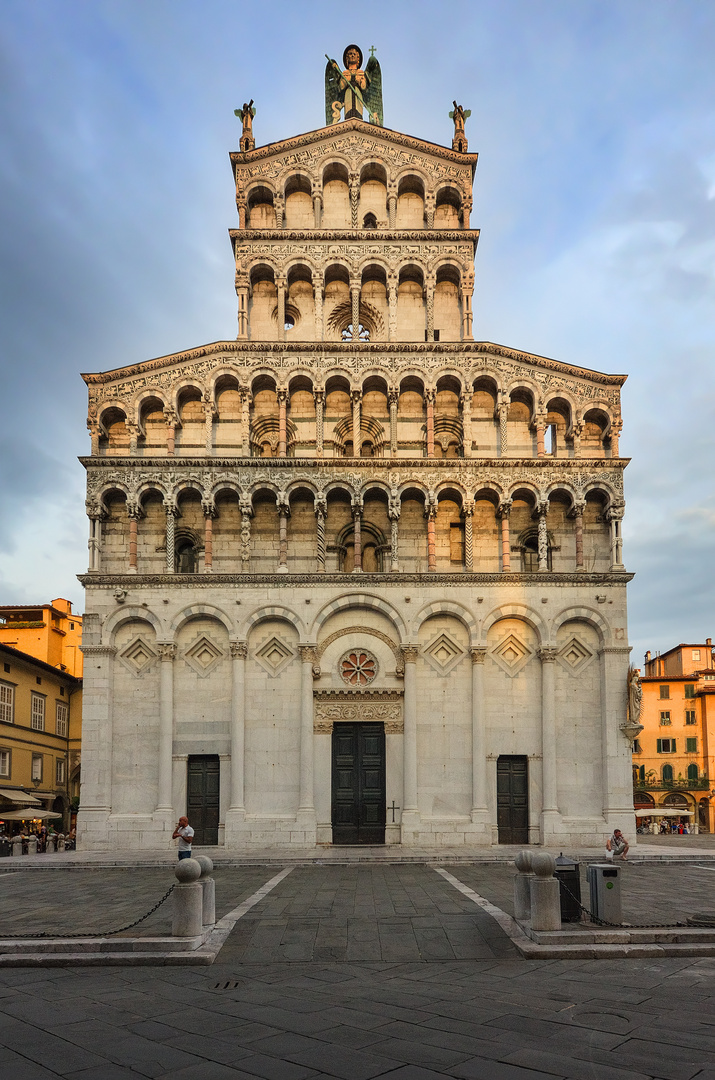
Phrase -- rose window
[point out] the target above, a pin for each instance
(358, 668)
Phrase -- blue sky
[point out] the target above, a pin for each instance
(595, 194)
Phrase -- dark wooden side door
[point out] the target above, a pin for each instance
(359, 794)
(202, 798)
(513, 800)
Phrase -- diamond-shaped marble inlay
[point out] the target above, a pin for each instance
(511, 654)
(574, 656)
(443, 653)
(274, 655)
(203, 655)
(137, 656)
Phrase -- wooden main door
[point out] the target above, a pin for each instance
(358, 811)
(513, 800)
(202, 798)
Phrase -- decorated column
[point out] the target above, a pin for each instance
(306, 799)
(393, 396)
(246, 508)
(543, 536)
(356, 396)
(355, 306)
(209, 509)
(503, 414)
(480, 812)
(429, 405)
(429, 297)
(410, 807)
(467, 434)
(282, 396)
(467, 514)
(549, 807)
(245, 396)
(171, 421)
(167, 654)
(577, 513)
(283, 513)
(134, 513)
(431, 514)
(318, 302)
(281, 288)
(172, 512)
(321, 509)
(239, 652)
(357, 538)
(394, 508)
(319, 398)
(392, 284)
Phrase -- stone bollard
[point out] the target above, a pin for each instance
(61, 842)
(208, 885)
(187, 900)
(32, 846)
(522, 886)
(544, 889)
(50, 849)
(17, 845)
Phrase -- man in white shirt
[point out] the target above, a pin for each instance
(184, 833)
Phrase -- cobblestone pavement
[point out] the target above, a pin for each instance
(495, 1017)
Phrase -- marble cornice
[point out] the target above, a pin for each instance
(371, 236)
(354, 583)
(333, 131)
(342, 465)
(248, 354)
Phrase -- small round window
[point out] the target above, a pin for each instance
(358, 668)
(289, 322)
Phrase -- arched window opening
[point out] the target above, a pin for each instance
(530, 553)
(363, 333)
(185, 555)
(692, 772)
(667, 774)
(348, 448)
(366, 450)
(369, 221)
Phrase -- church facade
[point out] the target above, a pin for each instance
(355, 577)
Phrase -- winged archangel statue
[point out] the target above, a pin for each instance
(352, 89)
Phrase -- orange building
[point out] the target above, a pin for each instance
(674, 756)
(49, 632)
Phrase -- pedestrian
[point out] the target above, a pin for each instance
(185, 834)
(617, 845)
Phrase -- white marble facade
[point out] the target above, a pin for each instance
(446, 512)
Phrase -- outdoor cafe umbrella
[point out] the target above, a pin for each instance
(658, 812)
(28, 814)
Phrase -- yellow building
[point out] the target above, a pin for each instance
(49, 632)
(674, 756)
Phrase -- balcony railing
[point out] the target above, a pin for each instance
(701, 784)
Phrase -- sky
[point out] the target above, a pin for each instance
(594, 193)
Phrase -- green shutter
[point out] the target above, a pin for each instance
(691, 746)
(660, 746)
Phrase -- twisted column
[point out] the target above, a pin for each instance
(239, 652)
(429, 296)
(467, 514)
(167, 654)
(391, 207)
(320, 512)
(279, 207)
(354, 185)
(355, 302)
(356, 396)
(503, 413)
(171, 515)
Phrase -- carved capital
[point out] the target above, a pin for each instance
(478, 654)
(410, 654)
(167, 650)
(504, 508)
(308, 654)
(238, 650)
(547, 654)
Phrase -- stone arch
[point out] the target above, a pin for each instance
(516, 611)
(193, 611)
(274, 611)
(370, 631)
(131, 614)
(582, 614)
(447, 607)
(360, 600)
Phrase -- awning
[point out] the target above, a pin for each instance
(28, 813)
(20, 796)
(662, 811)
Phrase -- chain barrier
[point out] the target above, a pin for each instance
(615, 925)
(100, 933)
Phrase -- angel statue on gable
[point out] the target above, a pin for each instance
(353, 89)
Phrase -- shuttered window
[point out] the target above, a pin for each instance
(7, 703)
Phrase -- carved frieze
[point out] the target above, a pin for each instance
(340, 706)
